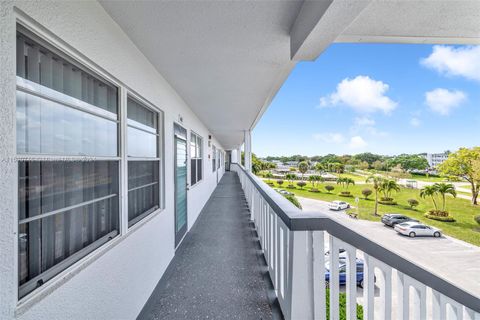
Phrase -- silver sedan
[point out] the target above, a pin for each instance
(414, 229)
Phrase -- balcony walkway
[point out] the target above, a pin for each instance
(218, 271)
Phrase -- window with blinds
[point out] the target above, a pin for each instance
(196, 158)
(214, 159)
(143, 161)
(68, 173)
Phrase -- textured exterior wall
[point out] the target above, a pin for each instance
(116, 283)
(7, 165)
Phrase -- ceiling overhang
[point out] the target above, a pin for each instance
(228, 59)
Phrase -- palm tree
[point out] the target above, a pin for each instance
(349, 181)
(377, 181)
(303, 167)
(388, 186)
(312, 180)
(443, 189)
(290, 177)
(429, 191)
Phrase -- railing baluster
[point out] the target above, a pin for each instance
(368, 288)
(386, 291)
(319, 302)
(351, 282)
(403, 296)
(334, 279)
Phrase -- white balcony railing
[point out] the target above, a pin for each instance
(293, 244)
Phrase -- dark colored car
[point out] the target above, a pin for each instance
(342, 273)
(392, 219)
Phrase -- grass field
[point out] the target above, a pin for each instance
(465, 228)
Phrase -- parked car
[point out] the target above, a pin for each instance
(392, 219)
(342, 273)
(338, 205)
(285, 192)
(414, 229)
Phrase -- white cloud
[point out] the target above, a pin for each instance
(443, 101)
(362, 94)
(357, 142)
(461, 61)
(364, 122)
(415, 122)
(329, 137)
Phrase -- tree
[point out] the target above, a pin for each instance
(429, 191)
(290, 177)
(345, 182)
(376, 181)
(364, 165)
(269, 176)
(368, 157)
(379, 165)
(301, 184)
(409, 162)
(413, 203)
(387, 187)
(464, 163)
(329, 188)
(319, 167)
(279, 182)
(367, 192)
(303, 167)
(443, 189)
(313, 180)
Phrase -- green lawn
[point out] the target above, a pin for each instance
(465, 228)
(428, 179)
(355, 177)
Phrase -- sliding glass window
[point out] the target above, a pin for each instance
(68, 169)
(143, 160)
(196, 158)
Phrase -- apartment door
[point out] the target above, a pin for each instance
(180, 171)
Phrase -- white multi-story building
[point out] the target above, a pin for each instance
(116, 118)
(435, 159)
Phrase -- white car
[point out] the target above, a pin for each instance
(414, 229)
(338, 205)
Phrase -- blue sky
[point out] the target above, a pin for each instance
(382, 98)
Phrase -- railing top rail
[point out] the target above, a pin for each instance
(297, 220)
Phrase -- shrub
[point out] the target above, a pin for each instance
(438, 213)
(342, 306)
(367, 192)
(329, 188)
(439, 218)
(477, 219)
(301, 184)
(413, 203)
(291, 186)
(387, 201)
(345, 194)
(314, 190)
(279, 182)
(294, 200)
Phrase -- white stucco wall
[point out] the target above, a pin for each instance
(117, 283)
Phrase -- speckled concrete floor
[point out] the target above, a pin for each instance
(218, 271)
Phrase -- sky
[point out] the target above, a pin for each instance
(382, 98)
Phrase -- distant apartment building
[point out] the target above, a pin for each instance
(435, 159)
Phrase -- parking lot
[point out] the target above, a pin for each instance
(454, 260)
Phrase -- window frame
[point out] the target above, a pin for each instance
(129, 94)
(62, 273)
(201, 147)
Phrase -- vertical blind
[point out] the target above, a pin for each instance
(66, 208)
(143, 161)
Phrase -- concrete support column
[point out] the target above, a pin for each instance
(248, 150)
